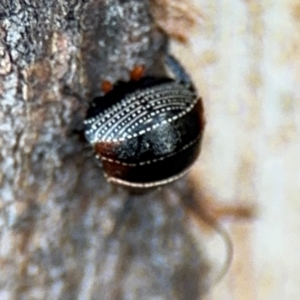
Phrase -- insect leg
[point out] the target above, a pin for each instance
(177, 69)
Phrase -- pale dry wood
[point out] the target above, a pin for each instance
(245, 61)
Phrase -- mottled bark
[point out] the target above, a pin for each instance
(57, 211)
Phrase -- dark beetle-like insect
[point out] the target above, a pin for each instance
(147, 132)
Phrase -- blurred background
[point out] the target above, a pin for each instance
(244, 57)
(57, 211)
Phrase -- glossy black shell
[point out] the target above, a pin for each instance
(147, 132)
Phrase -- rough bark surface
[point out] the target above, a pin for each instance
(57, 211)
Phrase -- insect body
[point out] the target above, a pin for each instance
(147, 132)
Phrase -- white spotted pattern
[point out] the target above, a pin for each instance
(119, 122)
(145, 184)
(149, 162)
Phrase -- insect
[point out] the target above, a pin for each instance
(147, 132)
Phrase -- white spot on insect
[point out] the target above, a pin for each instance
(139, 108)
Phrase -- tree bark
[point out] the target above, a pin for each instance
(57, 211)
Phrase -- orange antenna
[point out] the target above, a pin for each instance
(137, 73)
(106, 86)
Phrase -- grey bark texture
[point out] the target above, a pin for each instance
(57, 211)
